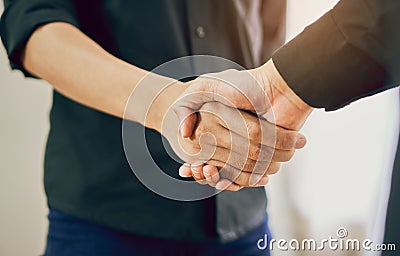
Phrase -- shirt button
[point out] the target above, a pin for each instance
(201, 33)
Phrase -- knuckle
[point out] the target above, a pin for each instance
(261, 167)
(243, 179)
(235, 159)
(249, 165)
(228, 173)
(254, 130)
(288, 155)
(200, 130)
(210, 107)
(195, 146)
(265, 153)
(283, 141)
(237, 162)
(219, 165)
(254, 152)
(187, 149)
(236, 188)
(287, 140)
(274, 168)
(201, 182)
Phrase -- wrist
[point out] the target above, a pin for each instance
(282, 89)
(158, 112)
(289, 109)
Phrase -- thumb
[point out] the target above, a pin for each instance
(188, 120)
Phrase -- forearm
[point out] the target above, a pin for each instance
(80, 69)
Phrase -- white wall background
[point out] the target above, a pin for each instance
(24, 106)
(339, 180)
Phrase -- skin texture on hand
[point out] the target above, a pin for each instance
(222, 135)
(266, 93)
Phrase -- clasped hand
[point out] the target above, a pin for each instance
(227, 142)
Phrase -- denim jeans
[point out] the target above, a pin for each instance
(71, 236)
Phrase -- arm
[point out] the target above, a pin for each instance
(80, 69)
(43, 38)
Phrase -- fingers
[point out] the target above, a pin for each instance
(239, 145)
(211, 174)
(273, 168)
(247, 163)
(201, 174)
(225, 184)
(251, 127)
(288, 139)
(263, 132)
(238, 169)
(212, 177)
(228, 178)
(197, 171)
(238, 89)
(236, 160)
(282, 155)
(242, 178)
(185, 171)
(215, 137)
(201, 91)
(223, 138)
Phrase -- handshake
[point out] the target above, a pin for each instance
(235, 127)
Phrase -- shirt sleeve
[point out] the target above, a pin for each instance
(22, 17)
(351, 52)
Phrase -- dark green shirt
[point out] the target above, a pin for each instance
(86, 173)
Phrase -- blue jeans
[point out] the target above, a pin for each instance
(71, 236)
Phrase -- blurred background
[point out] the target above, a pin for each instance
(341, 179)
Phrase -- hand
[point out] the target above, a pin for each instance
(239, 143)
(262, 90)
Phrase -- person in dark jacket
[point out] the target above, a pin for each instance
(351, 52)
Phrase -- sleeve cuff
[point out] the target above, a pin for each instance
(325, 70)
(19, 21)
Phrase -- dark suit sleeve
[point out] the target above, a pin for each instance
(351, 52)
(22, 17)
